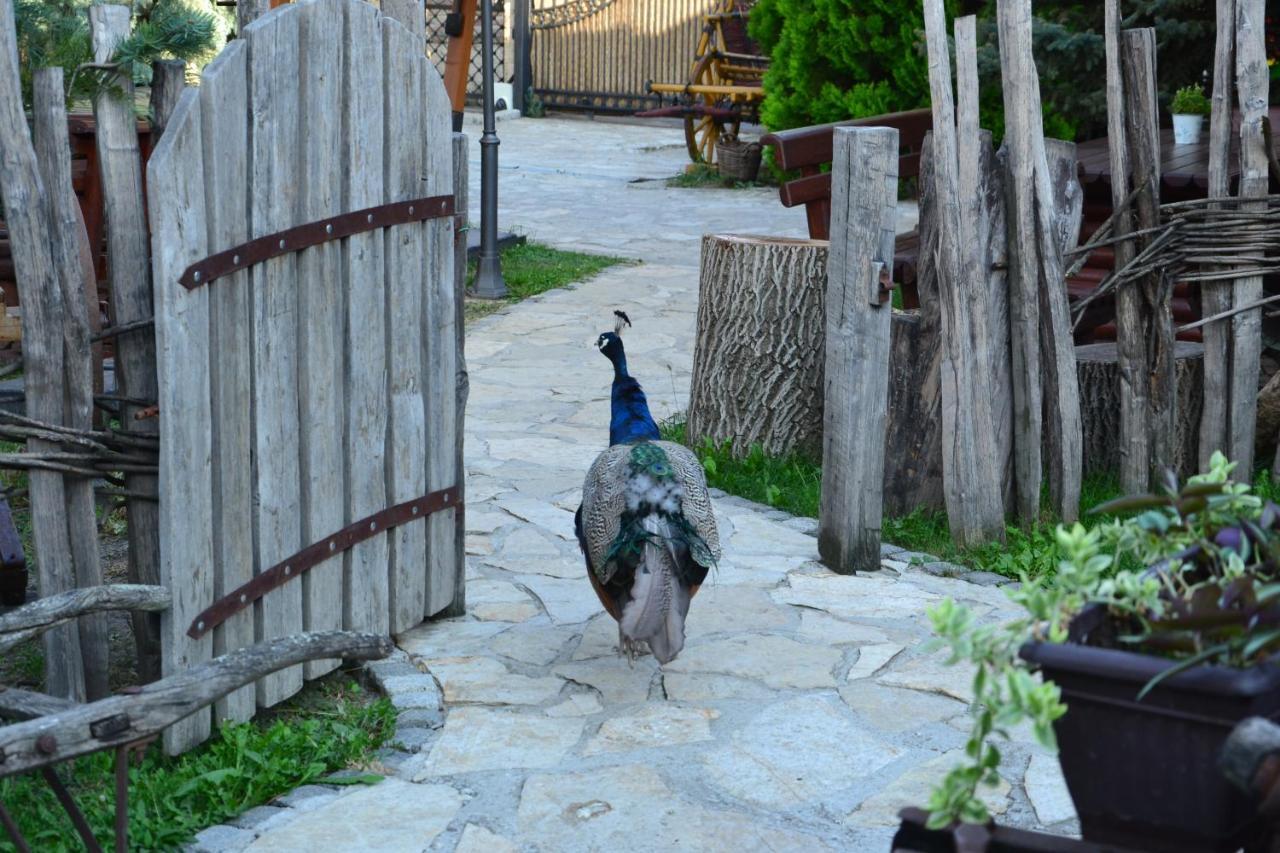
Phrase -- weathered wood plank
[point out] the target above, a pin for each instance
(411, 14)
(224, 102)
(248, 11)
(121, 719)
(1060, 209)
(1134, 450)
(405, 169)
(982, 197)
(365, 595)
(1252, 80)
(442, 333)
(168, 79)
(66, 232)
(179, 236)
(971, 486)
(120, 167)
(320, 313)
(1014, 18)
(1154, 322)
(1215, 296)
(863, 220)
(274, 141)
(458, 606)
(27, 218)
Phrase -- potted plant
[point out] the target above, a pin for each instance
(1155, 637)
(1189, 108)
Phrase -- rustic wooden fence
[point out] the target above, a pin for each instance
(307, 350)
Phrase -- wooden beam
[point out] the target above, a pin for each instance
(1252, 81)
(1014, 18)
(18, 704)
(863, 220)
(462, 381)
(1216, 296)
(27, 215)
(52, 150)
(43, 614)
(120, 164)
(123, 719)
(972, 483)
(1150, 331)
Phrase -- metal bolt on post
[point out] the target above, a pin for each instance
(489, 283)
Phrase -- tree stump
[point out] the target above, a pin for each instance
(758, 357)
(1099, 375)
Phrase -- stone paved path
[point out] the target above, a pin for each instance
(802, 714)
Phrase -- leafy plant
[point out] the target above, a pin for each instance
(56, 33)
(1190, 101)
(533, 106)
(1194, 576)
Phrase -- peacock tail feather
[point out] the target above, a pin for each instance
(628, 483)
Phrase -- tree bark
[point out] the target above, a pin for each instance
(1100, 395)
(758, 355)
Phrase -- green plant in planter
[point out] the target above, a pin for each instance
(1193, 576)
(1190, 101)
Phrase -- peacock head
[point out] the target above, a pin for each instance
(610, 343)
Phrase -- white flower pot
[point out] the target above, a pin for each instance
(1186, 129)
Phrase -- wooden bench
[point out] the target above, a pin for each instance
(810, 149)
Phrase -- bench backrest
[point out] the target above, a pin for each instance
(810, 148)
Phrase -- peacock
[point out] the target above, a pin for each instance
(645, 525)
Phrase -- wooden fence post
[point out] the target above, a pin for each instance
(52, 144)
(1252, 80)
(463, 381)
(27, 216)
(971, 479)
(1215, 296)
(168, 80)
(1046, 379)
(863, 219)
(1146, 328)
(1024, 303)
(248, 11)
(120, 162)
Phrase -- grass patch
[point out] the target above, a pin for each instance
(794, 484)
(530, 269)
(700, 176)
(331, 725)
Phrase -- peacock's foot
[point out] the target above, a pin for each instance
(631, 649)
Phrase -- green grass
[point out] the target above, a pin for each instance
(531, 268)
(330, 726)
(794, 484)
(702, 176)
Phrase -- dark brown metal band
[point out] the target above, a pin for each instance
(313, 234)
(311, 556)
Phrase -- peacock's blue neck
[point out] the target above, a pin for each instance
(629, 417)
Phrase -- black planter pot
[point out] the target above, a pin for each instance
(913, 837)
(1145, 774)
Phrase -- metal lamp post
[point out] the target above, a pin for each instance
(489, 283)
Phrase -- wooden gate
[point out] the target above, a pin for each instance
(302, 234)
(601, 55)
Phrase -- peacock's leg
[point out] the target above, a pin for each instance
(629, 648)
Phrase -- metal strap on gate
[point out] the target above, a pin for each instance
(311, 556)
(313, 234)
